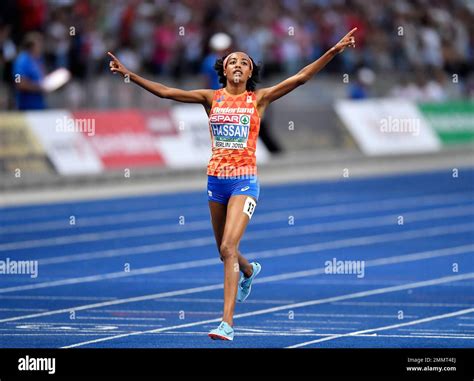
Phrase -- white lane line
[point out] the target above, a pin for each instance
(200, 209)
(54, 334)
(134, 250)
(459, 337)
(299, 334)
(219, 300)
(262, 219)
(131, 313)
(440, 334)
(127, 311)
(294, 275)
(23, 309)
(362, 294)
(365, 316)
(51, 298)
(392, 326)
(128, 206)
(257, 333)
(66, 330)
(109, 219)
(65, 333)
(117, 206)
(307, 324)
(431, 331)
(117, 301)
(42, 325)
(320, 210)
(304, 332)
(263, 334)
(304, 249)
(358, 223)
(409, 304)
(114, 275)
(314, 322)
(436, 213)
(120, 318)
(133, 204)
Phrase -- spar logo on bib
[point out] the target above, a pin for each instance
(244, 119)
(230, 131)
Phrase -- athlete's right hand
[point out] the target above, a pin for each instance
(116, 66)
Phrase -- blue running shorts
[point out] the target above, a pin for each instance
(221, 189)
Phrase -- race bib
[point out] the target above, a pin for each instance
(249, 207)
(230, 131)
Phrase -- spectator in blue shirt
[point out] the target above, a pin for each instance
(361, 89)
(28, 73)
(219, 44)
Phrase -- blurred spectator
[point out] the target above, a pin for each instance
(403, 34)
(58, 39)
(165, 37)
(406, 90)
(28, 73)
(430, 43)
(7, 56)
(33, 15)
(360, 89)
(169, 37)
(425, 88)
(435, 88)
(129, 57)
(219, 44)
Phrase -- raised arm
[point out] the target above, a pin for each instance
(202, 96)
(271, 94)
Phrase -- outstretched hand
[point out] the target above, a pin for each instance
(347, 41)
(116, 66)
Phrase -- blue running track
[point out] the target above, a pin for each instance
(143, 272)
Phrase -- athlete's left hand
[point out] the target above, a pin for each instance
(347, 41)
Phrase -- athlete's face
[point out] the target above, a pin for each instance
(238, 68)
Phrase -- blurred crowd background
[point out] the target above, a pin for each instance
(424, 48)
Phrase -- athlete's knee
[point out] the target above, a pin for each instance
(228, 250)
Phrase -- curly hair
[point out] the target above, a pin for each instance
(251, 82)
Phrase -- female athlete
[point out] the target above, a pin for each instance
(234, 114)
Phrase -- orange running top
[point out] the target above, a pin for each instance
(234, 125)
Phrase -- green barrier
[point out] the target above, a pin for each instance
(452, 121)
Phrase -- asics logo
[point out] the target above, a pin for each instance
(245, 188)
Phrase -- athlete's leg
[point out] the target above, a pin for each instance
(236, 223)
(218, 217)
